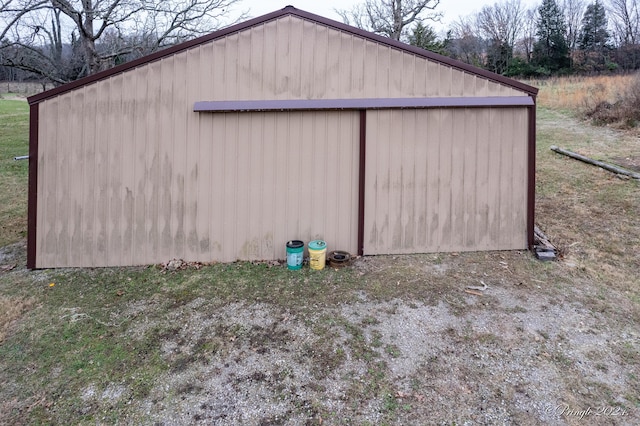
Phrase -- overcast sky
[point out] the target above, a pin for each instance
(451, 9)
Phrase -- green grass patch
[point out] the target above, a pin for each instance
(14, 141)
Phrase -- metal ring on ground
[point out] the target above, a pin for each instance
(339, 259)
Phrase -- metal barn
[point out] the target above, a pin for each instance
(286, 126)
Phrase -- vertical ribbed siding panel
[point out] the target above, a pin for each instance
(88, 119)
(244, 64)
(469, 180)
(445, 180)
(283, 71)
(276, 180)
(47, 159)
(75, 149)
(143, 153)
(284, 142)
(445, 129)
(458, 143)
(129, 166)
(419, 77)
(300, 143)
(396, 72)
(101, 195)
(345, 72)
(483, 169)
(370, 70)
(422, 191)
(408, 160)
(332, 65)
(153, 186)
(165, 151)
(320, 52)
(357, 57)
(218, 187)
(496, 173)
(194, 163)
(232, 189)
(433, 191)
(295, 60)
(307, 66)
(114, 181)
(62, 189)
(520, 180)
(205, 150)
(180, 146)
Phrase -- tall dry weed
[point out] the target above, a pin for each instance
(623, 111)
(606, 99)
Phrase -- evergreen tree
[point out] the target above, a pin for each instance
(551, 51)
(594, 38)
(426, 38)
(593, 33)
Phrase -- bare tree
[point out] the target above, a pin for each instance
(466, 44)
(500, 25)
(524, 45)
(62, 39)
(390, 18)
(502, 21)
(625, 15)
(573, 11)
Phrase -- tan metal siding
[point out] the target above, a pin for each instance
(128, 174)
(445, 180)
(233, 186)
(290, 58)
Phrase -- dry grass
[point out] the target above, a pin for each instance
(581, 93)
(10, 310)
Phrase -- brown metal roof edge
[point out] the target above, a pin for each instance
(288, 10)
(531, 175)
(32, 203)
(358, 104)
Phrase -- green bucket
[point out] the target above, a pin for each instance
(295, 253)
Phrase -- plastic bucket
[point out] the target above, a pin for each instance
(317, 254)
(295, 253)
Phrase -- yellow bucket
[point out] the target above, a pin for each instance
(317, 254)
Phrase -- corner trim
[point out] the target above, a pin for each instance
(32, 208)
(531, 175)
(361, 179)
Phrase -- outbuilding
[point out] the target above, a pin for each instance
(287, 126)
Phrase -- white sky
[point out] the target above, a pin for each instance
(451, 9)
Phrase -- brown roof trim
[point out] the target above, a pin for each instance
(32, 208)
(289, 10)
(359, 104)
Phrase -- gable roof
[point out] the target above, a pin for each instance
(288, 10)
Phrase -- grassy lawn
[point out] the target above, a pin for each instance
(391, 340)
(14, 141)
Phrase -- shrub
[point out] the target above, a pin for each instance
(624, 111)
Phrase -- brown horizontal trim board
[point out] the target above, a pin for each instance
(361, 104)
(289, 10)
